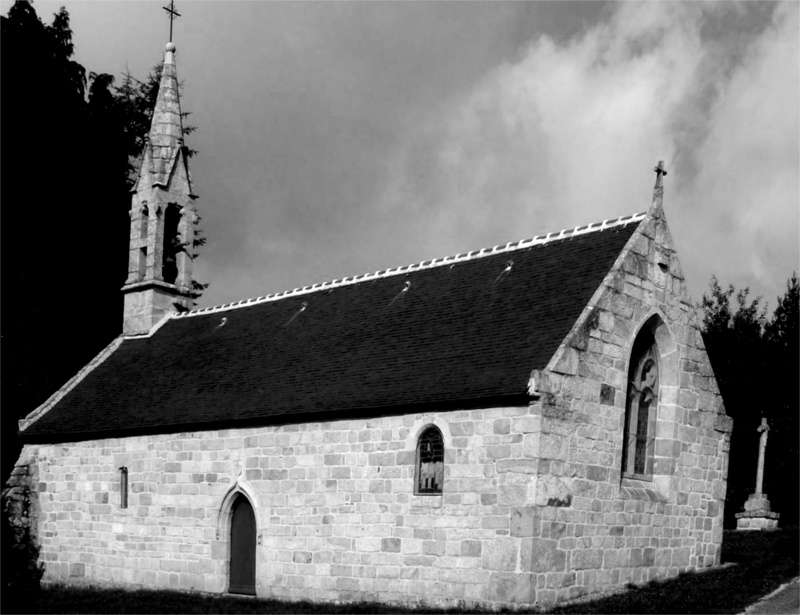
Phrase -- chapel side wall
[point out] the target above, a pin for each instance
(336, 514)
(598, 529)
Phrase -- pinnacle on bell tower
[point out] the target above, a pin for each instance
(162, 215)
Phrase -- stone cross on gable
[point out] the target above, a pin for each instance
(173, 15)
(660, 171)
(658, 190)
(763, 429)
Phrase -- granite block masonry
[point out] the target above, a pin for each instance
(541, 501)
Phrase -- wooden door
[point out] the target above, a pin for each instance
(243, 548)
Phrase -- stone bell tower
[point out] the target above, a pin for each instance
(162, 217)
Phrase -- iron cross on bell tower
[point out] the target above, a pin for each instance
(173, 15)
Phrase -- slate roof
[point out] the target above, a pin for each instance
(457, 331)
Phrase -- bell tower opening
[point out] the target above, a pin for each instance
(144, 223)
(172, 244)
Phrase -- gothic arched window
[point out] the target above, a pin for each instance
(430, 462)
(640, 409)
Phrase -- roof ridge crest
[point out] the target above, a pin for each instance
(427, 264)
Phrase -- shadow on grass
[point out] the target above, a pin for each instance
(763, 561)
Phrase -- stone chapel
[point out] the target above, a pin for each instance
(517, 425)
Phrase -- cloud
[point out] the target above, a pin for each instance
(569, 134)
(745, 198)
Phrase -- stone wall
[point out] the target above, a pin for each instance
(335, 507)
(535, 507)
(599, 528)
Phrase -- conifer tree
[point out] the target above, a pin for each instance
(69, 155)
(755, 361)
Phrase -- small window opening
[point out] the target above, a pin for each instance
(172, 245)
(123, 487)
(430, 462)
(144, 220)
(142, 263)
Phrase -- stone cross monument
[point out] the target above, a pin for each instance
(757, 515)
(762, 447)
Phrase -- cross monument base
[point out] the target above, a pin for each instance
(757, 515)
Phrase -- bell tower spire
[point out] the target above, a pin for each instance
(162, 215)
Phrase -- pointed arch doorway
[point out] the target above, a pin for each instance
(243, 548)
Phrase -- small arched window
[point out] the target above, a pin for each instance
(641, 408)
(430, 462)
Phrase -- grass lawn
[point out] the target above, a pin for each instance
(764, 560)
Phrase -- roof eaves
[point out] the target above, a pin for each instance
(283, 418)
(36, 414)
(436, 262)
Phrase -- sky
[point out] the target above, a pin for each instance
(340, 138)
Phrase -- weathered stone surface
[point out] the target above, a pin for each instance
(546, 556)
(500, 554)
(516, 589)
(524, 521)
(756, 501)
(587, 558)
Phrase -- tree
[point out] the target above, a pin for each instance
(69, 154)
(782, 335)
(755, 363)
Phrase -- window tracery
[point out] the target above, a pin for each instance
(640, 409)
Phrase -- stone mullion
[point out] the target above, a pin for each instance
(134, 247)
(155, 244)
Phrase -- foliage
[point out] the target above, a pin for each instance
(755, 360)
(69, 152)
(133, 102)
(22, 571)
